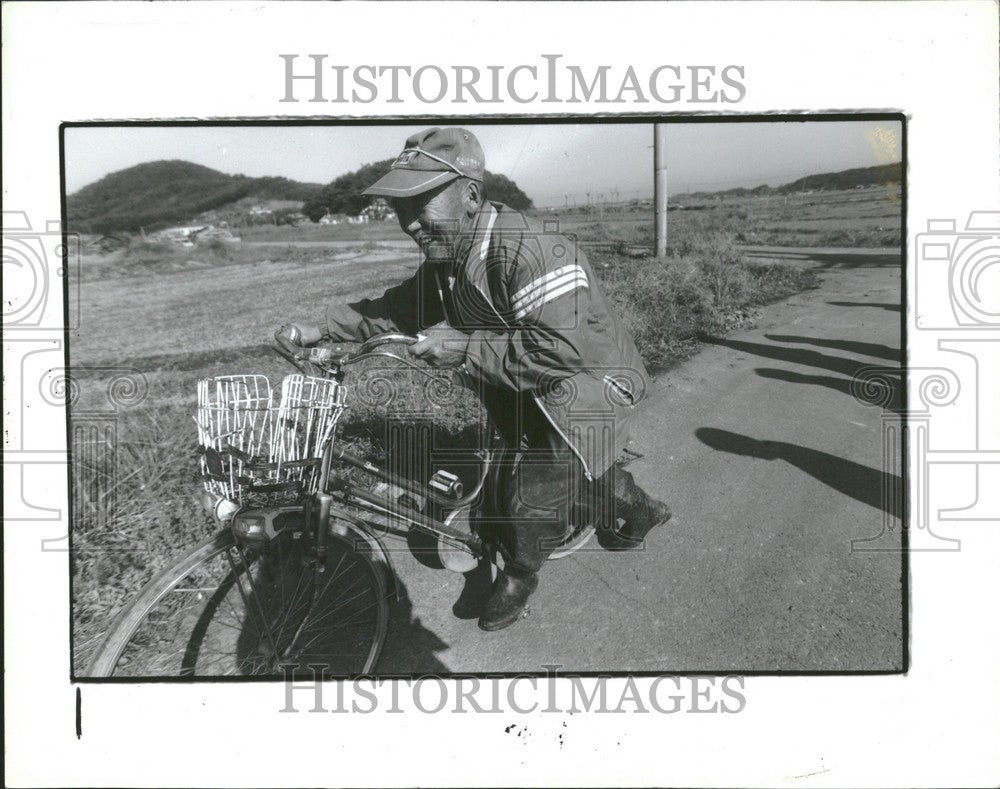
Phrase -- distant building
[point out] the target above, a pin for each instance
(333, 219)
(187, 236)
(379, 211)
(179, 236)
(214, 234)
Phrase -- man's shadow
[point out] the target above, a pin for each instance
(478, 582)
(410, 648)
(870, 486)
(336, 638)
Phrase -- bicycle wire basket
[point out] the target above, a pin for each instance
(261, 450)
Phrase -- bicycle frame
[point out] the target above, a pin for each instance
(336, 484)
(319, 508)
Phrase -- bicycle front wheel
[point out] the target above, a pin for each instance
(263, 611)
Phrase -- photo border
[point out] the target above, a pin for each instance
(534, 119)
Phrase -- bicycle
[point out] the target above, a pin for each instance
(294, 578)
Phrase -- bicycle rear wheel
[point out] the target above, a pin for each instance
(262, 611)
(582, 523)
(578, 537)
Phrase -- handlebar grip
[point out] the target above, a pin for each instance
(300, 358)
(288, 342)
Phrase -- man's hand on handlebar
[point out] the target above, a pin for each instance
(441, 346)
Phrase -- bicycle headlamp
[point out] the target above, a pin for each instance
(225, 509)
(249, 527)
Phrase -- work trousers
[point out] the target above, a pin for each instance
(539, 492)
(540, 496)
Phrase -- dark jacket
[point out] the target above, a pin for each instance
(539, 325)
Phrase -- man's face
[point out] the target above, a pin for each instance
(431, 216)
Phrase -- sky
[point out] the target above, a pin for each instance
(552, 163)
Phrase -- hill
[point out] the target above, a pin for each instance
(343, 195)
(742, 191)
(157, 194)
(847, 179)
(844, 179)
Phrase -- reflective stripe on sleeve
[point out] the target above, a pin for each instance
(545, 289)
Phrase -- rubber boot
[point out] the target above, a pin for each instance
(640, 511)
(509, 599)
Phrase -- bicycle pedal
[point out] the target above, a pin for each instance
(455, 559)
(446, 483)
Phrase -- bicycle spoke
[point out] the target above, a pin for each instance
(262, 622)
(329, 631)
(334, 610)
(250, 611)
(286, 609)
(313, 621)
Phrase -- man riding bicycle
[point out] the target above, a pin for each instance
(517, 309)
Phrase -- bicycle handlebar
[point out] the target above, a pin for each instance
(317, 361)
(295, 354)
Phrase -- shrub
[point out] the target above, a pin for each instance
(705, 287)
(217, 247)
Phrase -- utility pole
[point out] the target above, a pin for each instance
(660, 186)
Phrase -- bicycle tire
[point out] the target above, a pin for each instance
(574, 542)
(139, 645)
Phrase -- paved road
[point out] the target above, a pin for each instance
(772, 467)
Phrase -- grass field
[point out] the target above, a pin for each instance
(176, 316)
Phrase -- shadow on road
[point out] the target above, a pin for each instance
(891, 402)
(836, 364)
(851, 346)
(865, 484)
(475, 593)
(410, 648)
(884, 306)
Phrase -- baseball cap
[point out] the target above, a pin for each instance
(431, 158)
